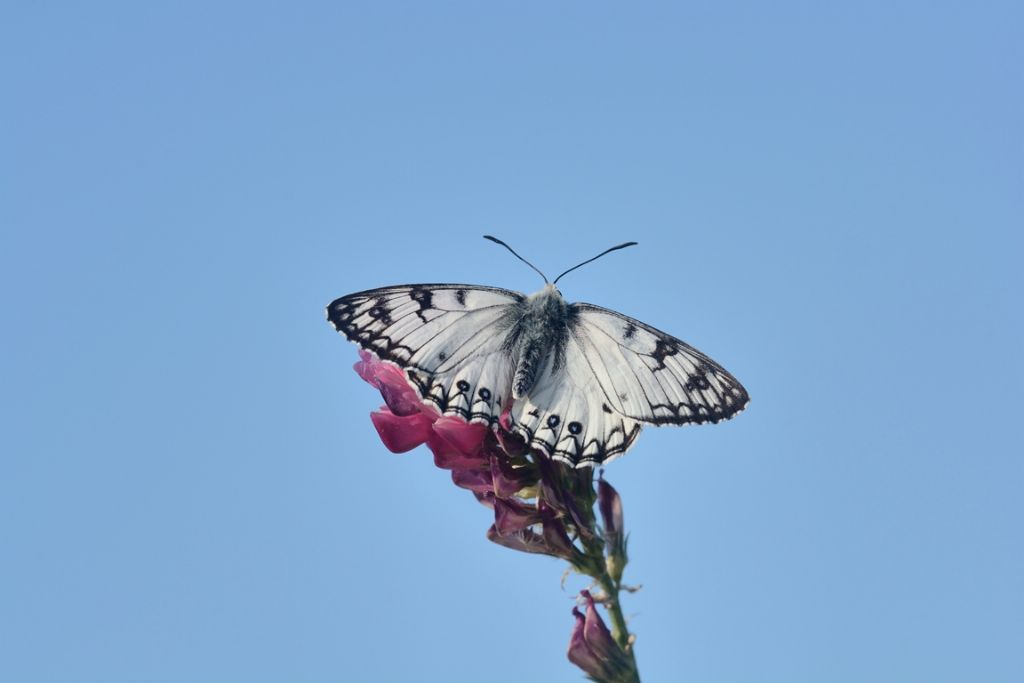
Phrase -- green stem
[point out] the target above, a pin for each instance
(619, 630)
(611, 590)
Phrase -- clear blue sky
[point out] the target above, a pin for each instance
(828, 201)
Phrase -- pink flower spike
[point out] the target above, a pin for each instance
(401, 433)
(465, 437)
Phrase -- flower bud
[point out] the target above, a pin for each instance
(581, 654)
(610, 505)
(593, 649)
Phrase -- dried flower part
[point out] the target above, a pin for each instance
(557, 538)
(510, 480)
(524, 540)
(511, 443)
(511, 516)
(556, 484)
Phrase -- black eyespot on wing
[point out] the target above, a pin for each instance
(460, 296)
(484, 393)
(553, 421)
(575, 428)
(462, 385)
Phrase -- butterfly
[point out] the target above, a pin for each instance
(576, 380)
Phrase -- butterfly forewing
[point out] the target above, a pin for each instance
(650, 376)
(447, 337)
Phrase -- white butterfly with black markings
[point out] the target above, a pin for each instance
(577, 380)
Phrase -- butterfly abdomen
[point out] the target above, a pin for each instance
(540, 333)
(531, 359)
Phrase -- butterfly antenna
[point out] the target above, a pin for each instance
(495, 239)
(606, 251)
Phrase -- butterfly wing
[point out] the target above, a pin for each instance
(448, 338)
(615, 374)
(648, 375)
(565, 415)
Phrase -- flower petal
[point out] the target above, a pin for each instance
(402, 400)
(401, 433)
(390, 380)
(366, 368)
(465, 437)
(448, 457)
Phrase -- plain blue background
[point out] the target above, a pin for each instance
(828, 201)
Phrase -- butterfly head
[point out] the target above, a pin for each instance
(547, 293)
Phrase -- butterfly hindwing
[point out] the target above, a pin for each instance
(648, 375)
(565, 416)
(448, 339)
